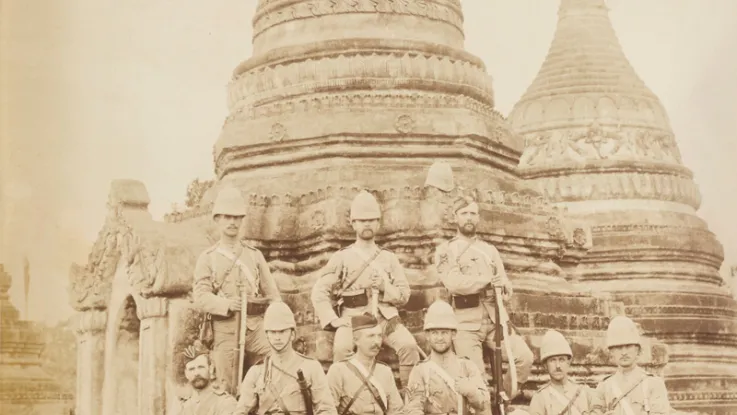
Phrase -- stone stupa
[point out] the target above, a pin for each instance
(25, 388)
(599, 143)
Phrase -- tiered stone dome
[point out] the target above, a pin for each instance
(599, 142)
(23, 383)
(341, 90)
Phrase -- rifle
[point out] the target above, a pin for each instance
(242, 327)
(499, 400)
(306, 393)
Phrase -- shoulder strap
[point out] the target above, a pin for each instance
(220, 278)
(624, 395)
(365, 265)
(366, 385)
(571, 402)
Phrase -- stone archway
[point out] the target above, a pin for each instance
(122, 357)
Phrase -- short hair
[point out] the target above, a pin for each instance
(364, 321)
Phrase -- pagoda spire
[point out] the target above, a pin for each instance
(598, 142)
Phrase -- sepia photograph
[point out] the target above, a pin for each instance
(368, 207)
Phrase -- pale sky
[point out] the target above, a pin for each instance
(96, 90)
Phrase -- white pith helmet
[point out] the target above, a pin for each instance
(278, 317)
(622, 331)
(440, 315)
(554, 344)
(365, 206)
(229, 202)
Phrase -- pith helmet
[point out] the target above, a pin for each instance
(279, 316)
(622, 331)
(365, 206)
(440, 176)
(554, 344)
(440, 315)
(230, 202)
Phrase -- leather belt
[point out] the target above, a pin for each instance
(356, 300)
(462, 302)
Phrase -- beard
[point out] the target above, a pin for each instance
(200, 383)
(467, 229)
(366, 234)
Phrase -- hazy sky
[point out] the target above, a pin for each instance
(96, 90)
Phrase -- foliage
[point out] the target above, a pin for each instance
(196, 190)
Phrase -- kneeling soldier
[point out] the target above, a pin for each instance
(205, 398)
(630, 390)
(561, 395)
(445, 383)
(361, 385)
(286, 382)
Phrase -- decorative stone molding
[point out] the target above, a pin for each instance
(274, 12)
(152, 307)
(91, 321)
(378, 69)
(617, 186)
(559, 148)
(367, 100)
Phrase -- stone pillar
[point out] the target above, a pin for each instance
(90, 361)
(152, 358)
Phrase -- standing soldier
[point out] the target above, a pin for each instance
(366, 279)
(286, 382)
(630, 390)
(561, 395)
(362, 385)
(205, 399)
(445, 383)
(470, 269)
(222, 275)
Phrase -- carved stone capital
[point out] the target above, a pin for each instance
(90, 322)
(151, 307)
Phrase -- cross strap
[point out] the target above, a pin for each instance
(366, 385)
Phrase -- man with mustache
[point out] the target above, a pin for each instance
(222, 273)
(365, 279)
(205, 399)
(561, 395)
(445, 383)
(362, 385)
(630, 390)
(273, 386)
(470, 269)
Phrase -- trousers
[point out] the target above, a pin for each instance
(470, 344)
(225, 353)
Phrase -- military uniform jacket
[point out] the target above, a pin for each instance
(432, 387)
(343, 267)
(210, 401)
(465, 270)
(648, 397)
(271, 387)
(219, 274)
(573, 399)
(344, 383)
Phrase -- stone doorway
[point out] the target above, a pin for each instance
(121, 360)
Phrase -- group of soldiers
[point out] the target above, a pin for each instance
(357, 296)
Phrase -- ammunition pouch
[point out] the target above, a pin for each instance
(356, 300)
(462, 302)
(256, 309)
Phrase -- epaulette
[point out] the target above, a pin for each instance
(260, 361)
(379, 362)
(211, 249)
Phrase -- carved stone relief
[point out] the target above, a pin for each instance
(597, 142)
(278, 12)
